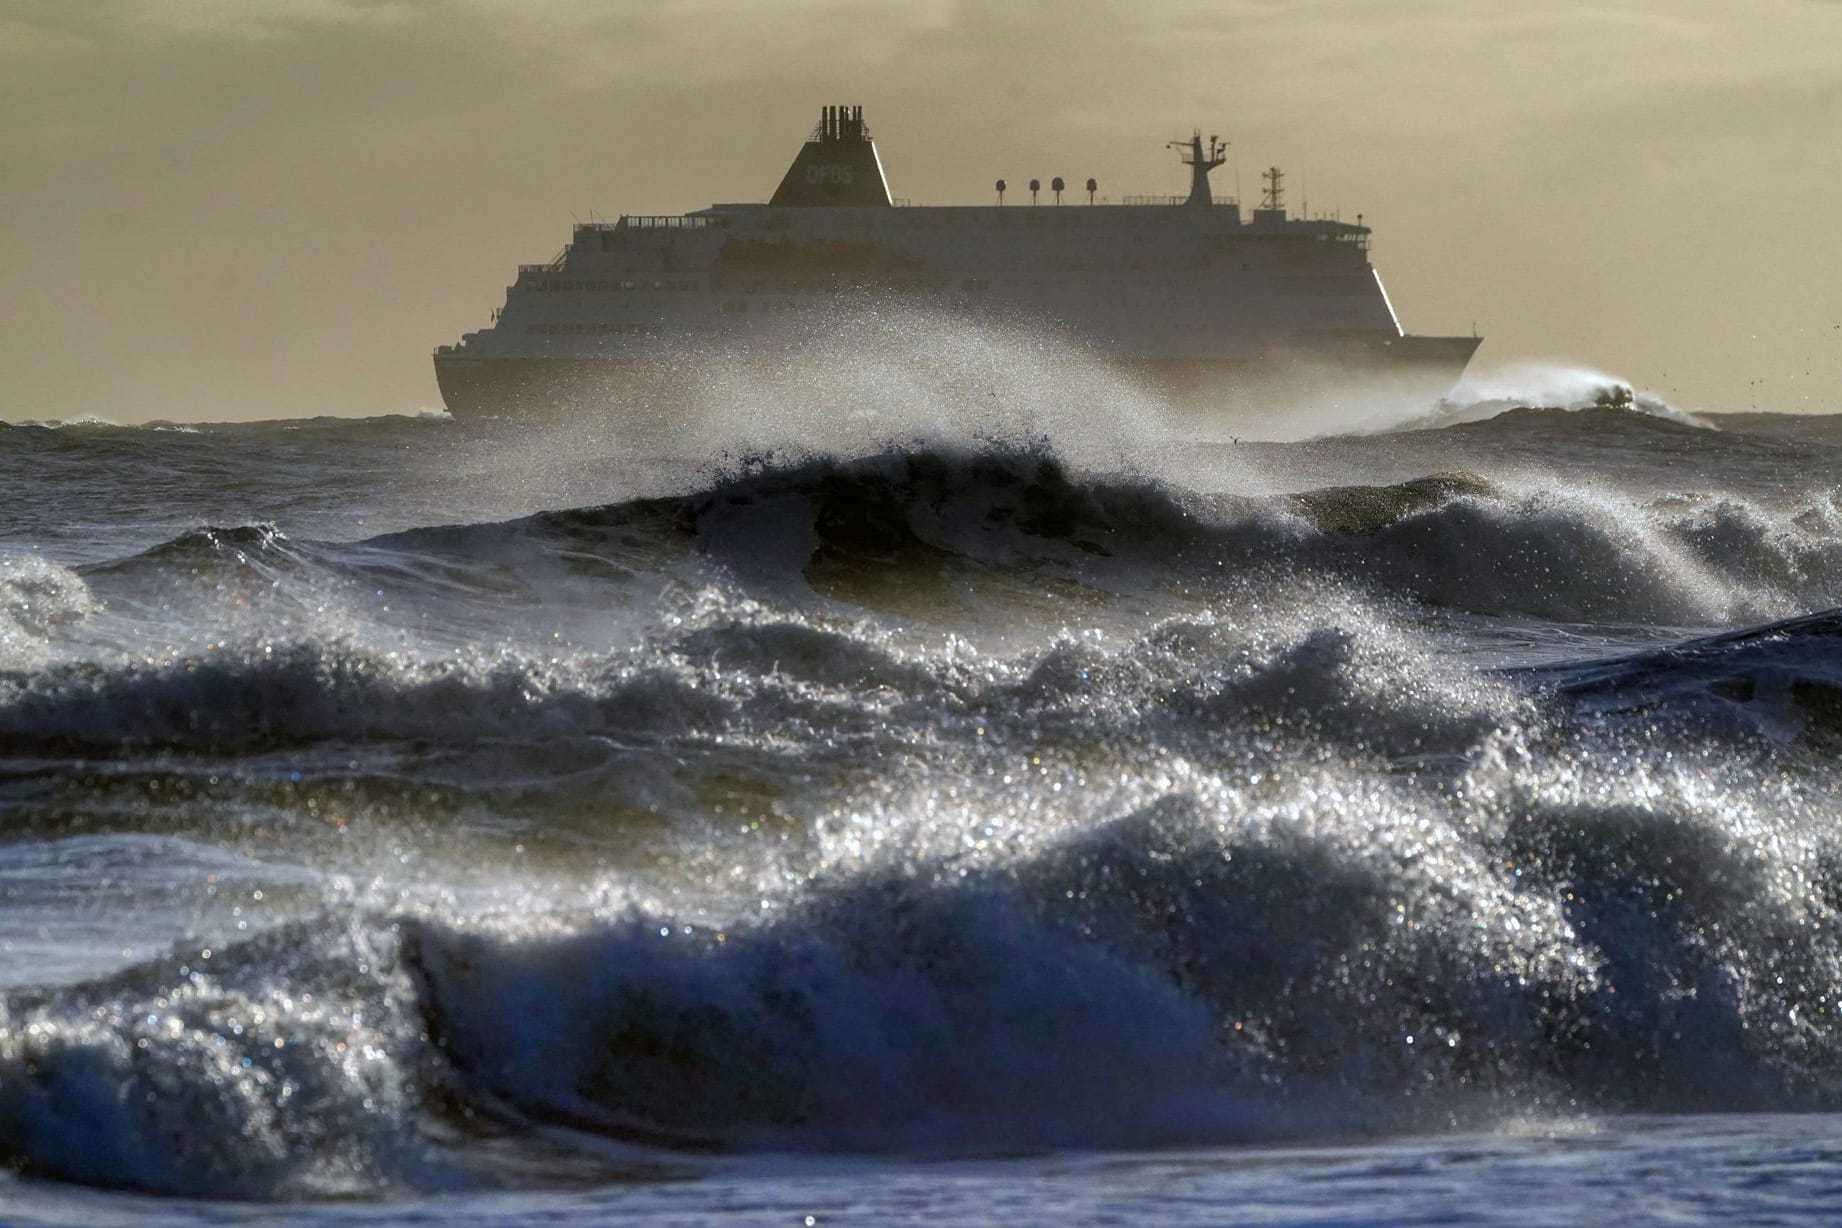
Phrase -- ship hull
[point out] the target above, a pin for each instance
(1405, 371)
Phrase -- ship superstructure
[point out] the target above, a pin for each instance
(1185, 292)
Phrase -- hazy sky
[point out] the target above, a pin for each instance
(257, 208)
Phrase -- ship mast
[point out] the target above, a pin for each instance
(1200, 164)
(1274, 198)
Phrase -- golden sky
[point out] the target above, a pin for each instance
(273, 208)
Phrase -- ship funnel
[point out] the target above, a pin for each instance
(838, 165)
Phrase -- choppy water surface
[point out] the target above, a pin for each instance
(407, 819)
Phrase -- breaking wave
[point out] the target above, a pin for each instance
(1535, 387)
(848, 528)
(36, 599)
(943, 799)
(1223, 960)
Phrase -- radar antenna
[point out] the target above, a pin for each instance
(1274, 197)
(1200, 164)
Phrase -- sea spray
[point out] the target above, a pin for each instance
(958, 794)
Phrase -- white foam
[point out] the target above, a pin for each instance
(38, 598)
(1486, 393)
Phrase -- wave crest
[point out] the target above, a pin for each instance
(37, 598)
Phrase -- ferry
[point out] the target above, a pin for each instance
(1216, 310)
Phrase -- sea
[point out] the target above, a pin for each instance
(949, 788)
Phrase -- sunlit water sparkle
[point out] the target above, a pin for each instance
(408, 820)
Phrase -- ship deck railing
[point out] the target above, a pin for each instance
(655, 221)
(554, 265)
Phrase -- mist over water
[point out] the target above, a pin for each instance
(923, 750)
